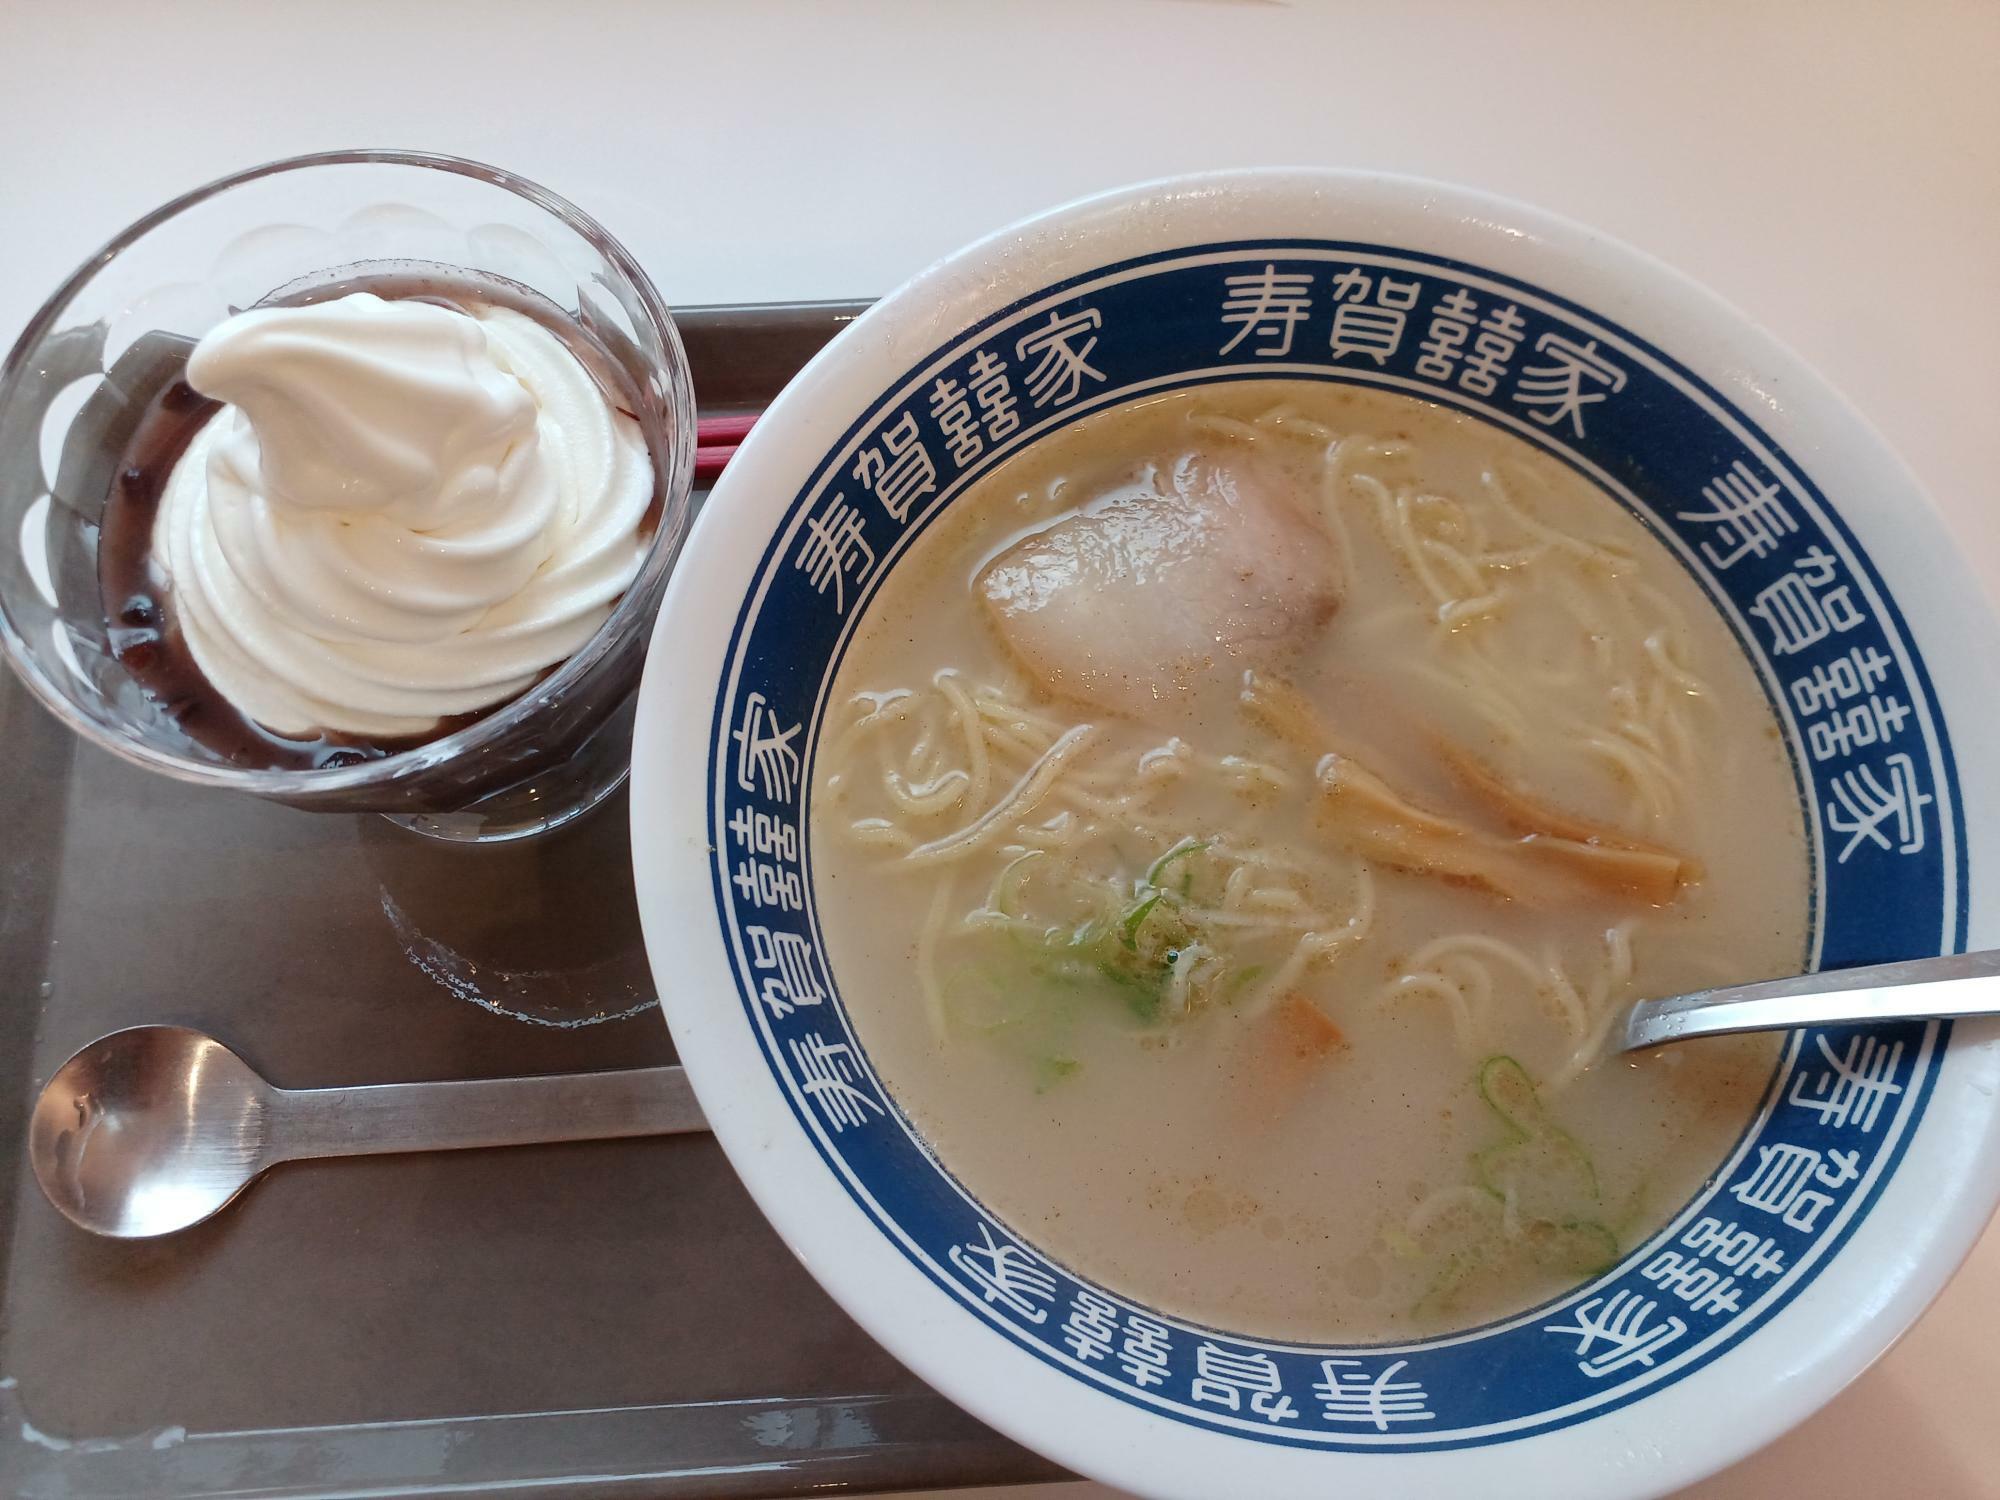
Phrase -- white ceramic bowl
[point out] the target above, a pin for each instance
(1842, 1211)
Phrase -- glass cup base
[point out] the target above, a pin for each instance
(517, 813)
(540, 803)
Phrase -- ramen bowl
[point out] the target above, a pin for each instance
(1813, 1241)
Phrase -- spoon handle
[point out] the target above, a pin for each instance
(383, 1119)
(1955, 985)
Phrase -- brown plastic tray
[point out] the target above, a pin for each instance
(612, 1319)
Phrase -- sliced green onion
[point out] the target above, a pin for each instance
(1181, 850)
(1009, 883)
(1136, 918)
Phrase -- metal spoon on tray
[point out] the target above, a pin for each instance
(154, 1129)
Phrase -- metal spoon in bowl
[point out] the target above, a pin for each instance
(1917, 989)
(154, 1129)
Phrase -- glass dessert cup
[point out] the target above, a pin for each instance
(121, 327)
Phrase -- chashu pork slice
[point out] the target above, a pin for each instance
(1194, 571)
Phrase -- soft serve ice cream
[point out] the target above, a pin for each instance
(404, 513)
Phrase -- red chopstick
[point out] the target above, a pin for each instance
(709, 464)
(710, 431)
(716, 442)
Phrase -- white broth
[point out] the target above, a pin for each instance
(1236, 825)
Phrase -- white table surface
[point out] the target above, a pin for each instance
(1833, 169)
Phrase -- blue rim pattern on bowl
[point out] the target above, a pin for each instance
(1869, 749)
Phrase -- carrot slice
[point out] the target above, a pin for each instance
(1281, 1053)
(1302, 1030)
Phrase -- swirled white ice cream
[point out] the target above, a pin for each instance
(404, 512)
